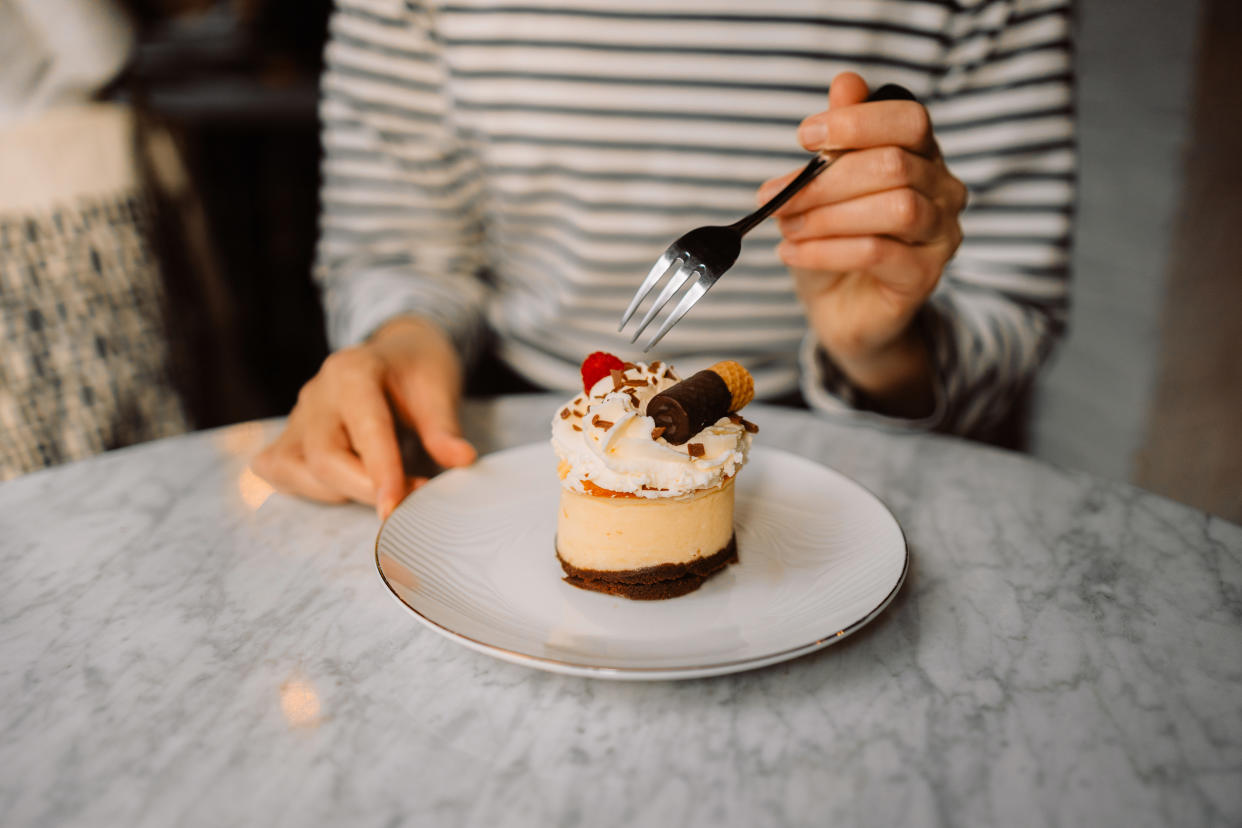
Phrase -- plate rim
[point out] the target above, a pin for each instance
(572, 668)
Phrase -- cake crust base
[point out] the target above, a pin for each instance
(652, 583)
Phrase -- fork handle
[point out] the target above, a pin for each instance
(821, 162)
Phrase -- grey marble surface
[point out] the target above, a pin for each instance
(180, 646)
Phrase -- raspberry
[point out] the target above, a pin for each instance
(597, 366)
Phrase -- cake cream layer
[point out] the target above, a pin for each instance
(624, 533)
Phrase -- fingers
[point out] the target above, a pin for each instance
(371, 433)
(314, 460)
(851, 122)
(877, 124)
(330, 458)
(350, 438)
(870, 171)
(341, 441)
(903, 214)
(912, 271)
(425, 391)
(431, 408)
(847, 88)
(426, 398)
(284, 466)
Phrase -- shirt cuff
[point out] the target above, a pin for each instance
(829, 391)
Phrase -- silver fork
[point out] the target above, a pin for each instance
(702, 256)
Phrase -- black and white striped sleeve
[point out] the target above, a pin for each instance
(1003, 115)
(400, 224)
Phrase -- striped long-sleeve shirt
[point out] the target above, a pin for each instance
(518, 166)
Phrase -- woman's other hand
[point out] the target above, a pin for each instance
(340, 442)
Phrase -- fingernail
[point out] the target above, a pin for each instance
(813, 134)
(385, 501)
(464, 450)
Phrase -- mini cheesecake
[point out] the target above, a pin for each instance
(647, 467)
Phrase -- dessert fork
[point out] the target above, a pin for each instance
(701, 257)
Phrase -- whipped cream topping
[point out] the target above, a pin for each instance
(604, 437)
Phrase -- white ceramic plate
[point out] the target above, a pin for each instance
(472, 555)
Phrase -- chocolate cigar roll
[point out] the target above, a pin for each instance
(684, 409)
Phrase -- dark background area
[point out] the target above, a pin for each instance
(236, 85)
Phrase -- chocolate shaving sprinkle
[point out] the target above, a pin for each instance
(618, 379)
(579, 414)
(564, 413)
(627, 366)
(656, 432)
(598, 423)
(738, 419)
(695, 449)
(635, 383)
(576, 427)
(668, 373)
(655, 366)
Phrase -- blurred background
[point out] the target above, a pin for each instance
(1147, 387)
(236, 81)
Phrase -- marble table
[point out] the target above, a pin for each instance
(181, 646)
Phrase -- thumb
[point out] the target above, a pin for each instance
(846, 89)
(446, 445)
(432, 411)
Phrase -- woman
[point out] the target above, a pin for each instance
(514, 172)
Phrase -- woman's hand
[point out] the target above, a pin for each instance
(341, 440)
(868, 239)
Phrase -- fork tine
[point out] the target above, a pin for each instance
(662, 266)
(694, 294)
(674, 284)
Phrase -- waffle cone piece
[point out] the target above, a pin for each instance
(685, 409)
(739, 381)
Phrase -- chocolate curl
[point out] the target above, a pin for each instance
(691, 405)
(685, 409)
